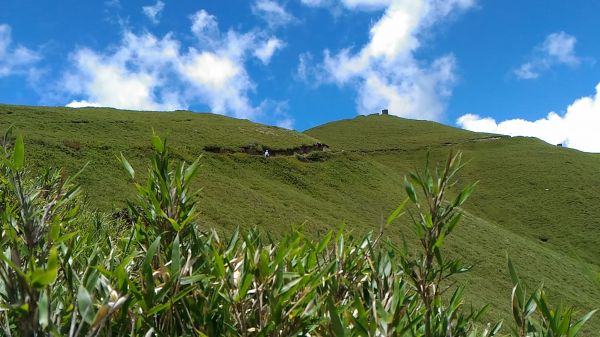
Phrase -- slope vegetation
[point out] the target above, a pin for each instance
(534, 201)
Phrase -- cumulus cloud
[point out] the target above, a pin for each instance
(153, 12)
(152, 73)
(576, 128)
(15, 59)
(267, 49)
(133, 77)
(557, 49)
(273, 13)
(385, 70)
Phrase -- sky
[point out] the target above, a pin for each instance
(525, 68)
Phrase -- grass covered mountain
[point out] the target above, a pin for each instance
(534, 201)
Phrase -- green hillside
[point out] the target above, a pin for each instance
(534, 201)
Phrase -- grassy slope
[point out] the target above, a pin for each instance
(362, 182)
(528, 191)
(72, 137)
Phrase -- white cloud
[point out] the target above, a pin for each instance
(280, 112)
(207, 68)
(367, 4)
(82, 104)
(286, 123)
(561, 46)
(557, 48)
(15, 59)
(272, 12)
(205, 27)
(267, 49)
(386, 71)
(420, 94)
(153, 12)
(133, 77)
(576, 128)
(305, 67)
(150, 73)
(314, 3)
(527, 71)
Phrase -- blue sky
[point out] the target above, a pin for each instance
(513, 67)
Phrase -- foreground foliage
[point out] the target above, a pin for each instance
(64, 273)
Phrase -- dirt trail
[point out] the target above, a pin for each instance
(259, 150)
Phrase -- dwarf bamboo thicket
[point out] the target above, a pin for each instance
(65, 271)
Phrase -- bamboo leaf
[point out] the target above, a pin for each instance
(148, 271)
(84, 304)
(397, 212)
(518, 290)
(579, 324)
(158, 143)
(336, 322)
(175, 257)
(127, 166)
(410, 190)
(43, 318)
(18, 157)
(43, 277)
(191, 171)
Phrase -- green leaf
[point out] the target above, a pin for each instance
(127, 166)
(290, 285)
(516, 310)
(324, 242)
(246, 283)
(158, 308)
(193, 279)
(11, 264)
(397, 212)
(453, 222)
(579, 324)
(158, 143)
(176, 226)
(336, 322)
(43, 277)
(440, 240)
(175, 257)
(54, 231)
(429, 184)
(542, 303)
(43, 318)
(410, 190)
(84, 304)
(530, 307)
(191, 171)
(495, 329)
(219, 263)
(19, 153)
(464, 195)
(516, 282)
(147, 270)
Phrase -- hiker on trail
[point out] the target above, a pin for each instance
(267, 154)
